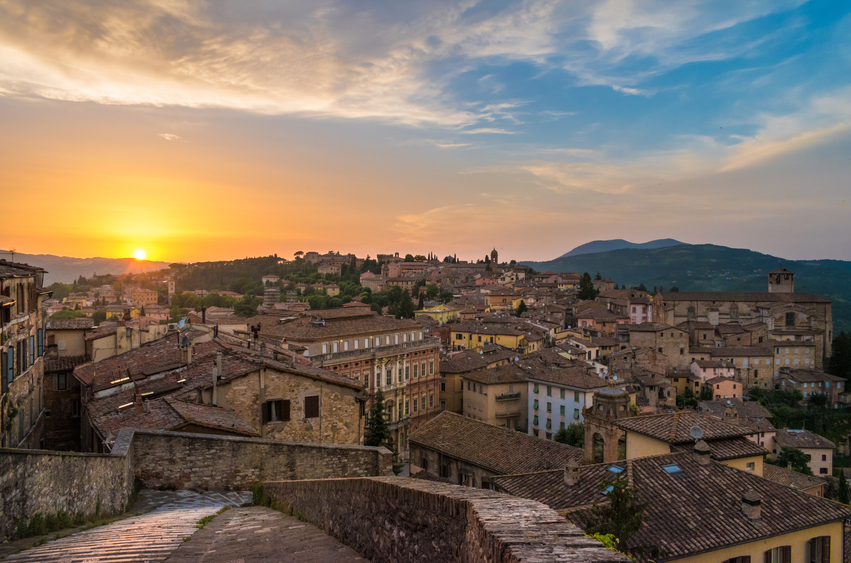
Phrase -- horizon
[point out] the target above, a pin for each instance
(530, 127)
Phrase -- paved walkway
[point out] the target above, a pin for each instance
(257, 533)
(145, 538)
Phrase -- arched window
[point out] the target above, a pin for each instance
(622, 447)
(599, 444)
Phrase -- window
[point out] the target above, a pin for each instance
(671, 468)
(535, 420)
(822, 471)
(691, 314)
(443, 386)
(61, 381)
(424, 464)
(41, 343)
(335, 347)
(311, 407)
(416, 371)
(276, 411)
(356, 343)
(422, 403)
(750, 466)
(415, 403)
(535, 388)
(576, 396)
(575, 414)
(790, 319)
(562, 395)
(535, 404)
(431, 368)
(549, 407)
(549, 391)
(818, 550)
(389, 377)
(782, 554)
(430, 400)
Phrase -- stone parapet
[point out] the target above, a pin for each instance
(403, 519)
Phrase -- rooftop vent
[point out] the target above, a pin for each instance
(751, 505)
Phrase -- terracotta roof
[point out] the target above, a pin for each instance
(486, 328)
(82, 323)
(675, 428)
(64, 363)
(807, 375)
(580, 375)
(652, 327)
(788, 438)
(356, 321)
(790, 478)
(102, 331)
(721, 296)
(12, 269)
(729, 448)
(496, 449)
(509, 373)
(209, 416)
(745, 409)
(695, 510)
(739, 351)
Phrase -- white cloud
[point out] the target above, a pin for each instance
(171, 137)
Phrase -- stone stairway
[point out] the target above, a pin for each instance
(143, 538)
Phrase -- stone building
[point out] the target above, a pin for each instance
(21, 355)
(62, 402)
(671, 343)
(470, 453)
(496, 396)
(798, 316)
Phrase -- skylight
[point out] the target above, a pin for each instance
(616, 469)
(795, 431)
(608, 489)
(672, 468)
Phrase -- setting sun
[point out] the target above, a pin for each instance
(139, 254)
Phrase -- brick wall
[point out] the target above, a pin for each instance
(230, 463)
(402, 519)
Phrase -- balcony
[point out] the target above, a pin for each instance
(377, 351)
(401, 423)
(508, 414)
(508, 397)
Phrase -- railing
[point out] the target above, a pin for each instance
(511, 414)
(508, 397)
(429, 342)
(399, 423)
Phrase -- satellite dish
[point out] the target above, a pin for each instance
(516, 358)
(615, 377)
(185, 342)
(696, 432)
(181, 324)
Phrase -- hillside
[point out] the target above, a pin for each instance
(708, 267)
(619, 244)
(66, 269)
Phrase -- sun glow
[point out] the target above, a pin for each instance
(139, 254)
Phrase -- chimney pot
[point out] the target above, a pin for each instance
(702, 453)
(751, 505)
(571, 473)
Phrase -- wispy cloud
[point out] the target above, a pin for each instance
(171, 137)
(485, 130)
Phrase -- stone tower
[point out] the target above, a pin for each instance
(781, 280)
(605, 442)
(494, 256)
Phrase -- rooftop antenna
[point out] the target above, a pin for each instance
(10, 251)
(696, 433)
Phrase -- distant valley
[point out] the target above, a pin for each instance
(66, 269)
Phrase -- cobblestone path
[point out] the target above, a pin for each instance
(142, 538)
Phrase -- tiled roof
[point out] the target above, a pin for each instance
(788, 438)
(71, 324)
(355, 323)
(496, 449)
(739, 351)
(102, 331)
(486, 328)
(210, 417)
(745, 409)
(11, 269)
(509, 373)
(806, 375)
(651, 327)
(693, 511)
(721, 296)
(790, 478)
(675, 428)
(579, 375)
(64, 363)
(729, 448)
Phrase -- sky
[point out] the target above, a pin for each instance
(217, 130)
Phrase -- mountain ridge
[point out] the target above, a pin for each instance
(597, 246)
(66, 269)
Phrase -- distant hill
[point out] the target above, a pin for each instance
(66, 269)
(707, 267)
(619, 244)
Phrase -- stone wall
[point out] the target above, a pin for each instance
(47, 482)
(231, 463)
(403, 519)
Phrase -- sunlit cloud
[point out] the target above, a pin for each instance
(171, 137)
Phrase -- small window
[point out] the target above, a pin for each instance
(616, 469)
(672, 468)
(311, 407)
(276, 411)
(61, 381)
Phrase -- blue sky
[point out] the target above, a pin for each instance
(433, 126)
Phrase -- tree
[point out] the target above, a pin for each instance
(573, 435)
(706, 393)
(409, 257)
(796, 457)
(688, 398)
(376, 429)
(598, 277)
(419, 258)
(432, 291)
(298, 254)
(247, 306)
(66, 315)
(406, 307)
(521, 308)
(840, 358)
(641, 287)
(420, 305)
(142, 312)
(843, 496)
(621, 517)
(586, 288)
(98, 317)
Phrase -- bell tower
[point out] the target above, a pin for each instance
(494, 256)
(781, 280)
(605, 442)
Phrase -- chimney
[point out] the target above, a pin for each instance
(751, 505)
(146, 406)
(571, 473)
(789, 465)
(217, 372)
(701, 453)
(203, 315)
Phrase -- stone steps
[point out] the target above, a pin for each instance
(147, 538)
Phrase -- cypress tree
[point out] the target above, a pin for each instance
(844, 496)
(377, 430)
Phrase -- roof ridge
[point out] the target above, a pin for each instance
(674, 427)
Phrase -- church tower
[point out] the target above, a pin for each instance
(781, 280)
(494, 256)
(605, 442)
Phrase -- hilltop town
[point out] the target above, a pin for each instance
(718, 417)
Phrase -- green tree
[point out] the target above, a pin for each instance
(99, 316)
(521, 308)
(406, 307)
(420, 305)
(247, 306)
(706, 393)
(66, 315)
(586, 288)
(376, 428)
(573, 435)
(621, 517)
(840, 359)
(756, 394)
(843, 496)
(688, 398)
(409, 257)
(796, 457)
(419, 258)
(142, 311)
(598, 277)
(432, 291)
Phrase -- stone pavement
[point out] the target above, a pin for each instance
(145, 538)
(257, 533)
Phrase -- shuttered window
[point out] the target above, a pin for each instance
(782, 554)
(276, 411)
(40, 343)
(311, 407)
(818, 550)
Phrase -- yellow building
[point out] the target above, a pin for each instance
(496, 396)
(473, 336)
(440, 313)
